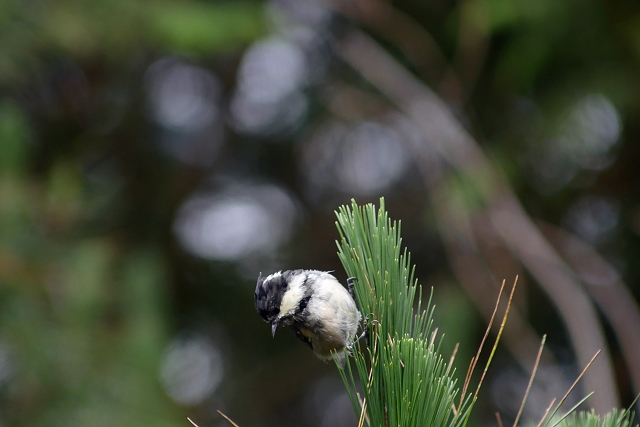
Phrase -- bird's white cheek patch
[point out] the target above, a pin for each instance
(292, 296)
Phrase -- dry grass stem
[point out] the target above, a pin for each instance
(453, 356)
(474, 360)
(578, 379)
(228, 419)
(363, 413)
(495, 345)
(546, 412)
(533, 375)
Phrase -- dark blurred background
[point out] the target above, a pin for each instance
(155, 156)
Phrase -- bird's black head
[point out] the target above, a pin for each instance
(268, 295)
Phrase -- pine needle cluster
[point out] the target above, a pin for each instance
(403, 378)
(614, 418)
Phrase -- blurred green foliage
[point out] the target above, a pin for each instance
(83, 313)
(204, 28)
(93, 285)
(115, 29)
(83, 318)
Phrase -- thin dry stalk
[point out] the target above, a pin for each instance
(533, 375)
(474, 360)
(228, 419)
(578, 379)
(495, 345)
(363, 413)
(453, 356)
(571, 388)
(547, 411)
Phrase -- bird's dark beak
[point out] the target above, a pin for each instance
(274, 326)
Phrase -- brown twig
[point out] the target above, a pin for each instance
(610, 293)
(390, 23)
(471, 50)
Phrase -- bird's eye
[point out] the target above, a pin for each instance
(286, 320)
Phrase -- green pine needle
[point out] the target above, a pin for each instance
(402, 375)
(404, 379)
(614, 418)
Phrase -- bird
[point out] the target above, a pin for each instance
(318, 309)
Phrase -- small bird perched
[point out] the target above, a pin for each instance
(317, 308)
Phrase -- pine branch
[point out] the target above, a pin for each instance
(403, 376)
